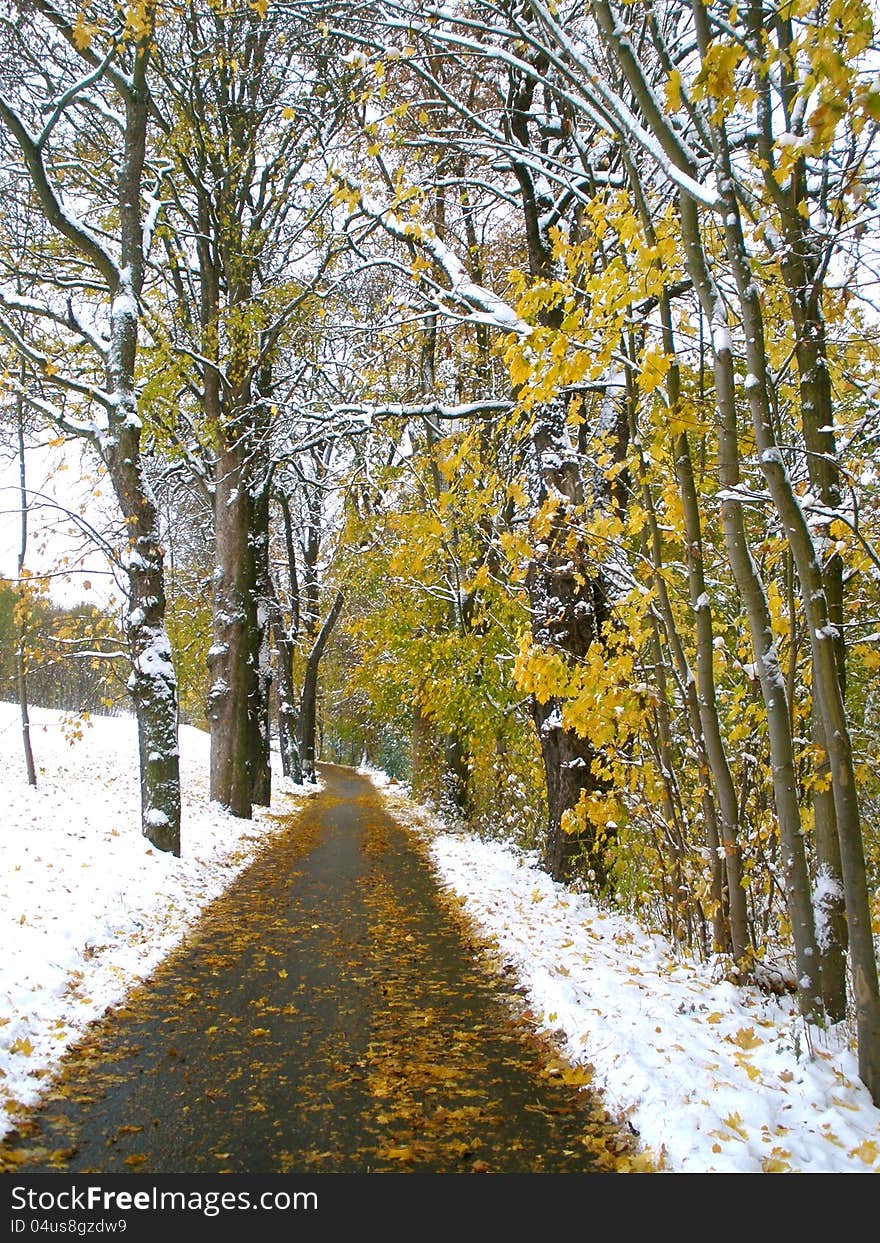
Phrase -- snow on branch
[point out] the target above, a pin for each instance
(47, 369)
(429, 410)
(40, 310)
(56, 212)
(484, 306)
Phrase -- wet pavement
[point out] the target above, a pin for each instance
(331, 1013)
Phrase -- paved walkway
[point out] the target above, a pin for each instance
(327, 1015)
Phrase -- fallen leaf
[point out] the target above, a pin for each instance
(735, 1123)
(746, 1038)
(867, 1152)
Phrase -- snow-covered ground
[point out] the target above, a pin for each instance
(87, 906)
(713, 1078)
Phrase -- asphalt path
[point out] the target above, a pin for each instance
(332, 1012)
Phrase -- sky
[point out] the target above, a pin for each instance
(714, 1078)
(65, 487)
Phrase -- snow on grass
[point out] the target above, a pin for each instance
(87, 906)
(715, 1078)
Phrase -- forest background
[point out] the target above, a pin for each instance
(487, 392)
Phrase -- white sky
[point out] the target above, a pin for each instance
(61, 483)
(714, 1078)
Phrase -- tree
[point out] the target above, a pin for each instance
(244, 125)
(98, 70)
(656, 100)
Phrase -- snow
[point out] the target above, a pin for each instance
(713, 1077)
(87, 906)
(721, 339)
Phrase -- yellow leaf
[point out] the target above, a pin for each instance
(715, 1017)
(867, 1152)
(735, 1123)
(22, 1045)
(746, 1038)
(259, 1031)
(655, 365)
(82, 33)
(776, 1162)
(577, 1076)
(672, 90)
(136, 1158)
(403, 1153)
(744, 1064)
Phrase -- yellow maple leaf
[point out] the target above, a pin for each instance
(746, 1038)
(577, 1076)
(655, 365)
(83, 32)
(22, 1045)
(735, 1123)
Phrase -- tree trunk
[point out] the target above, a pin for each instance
(260, 659)
(152, 683)
(309, 696)
(229, 697)
(288, 715)
(800, 258)
(426, 769)
(826, 673)
(754, 599)
(568, 609)
(710, 726)
(21, 658)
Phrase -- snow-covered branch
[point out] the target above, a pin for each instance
(483, 306)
